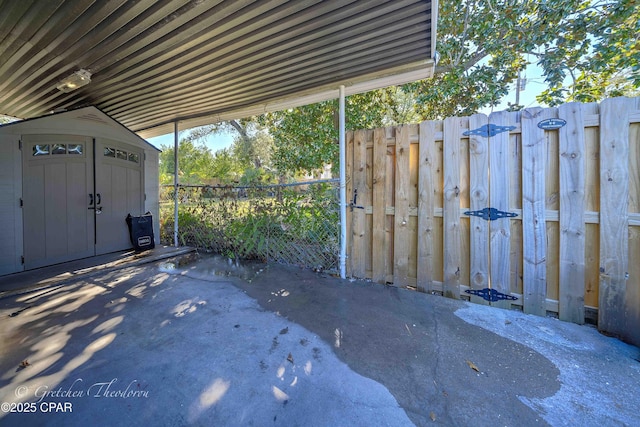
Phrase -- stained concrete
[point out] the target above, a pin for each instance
(216, 343)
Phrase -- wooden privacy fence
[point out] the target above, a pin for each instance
(538, 209)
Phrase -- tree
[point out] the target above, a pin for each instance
(305, 138)
(581, 45)
(6, 119)
(195, 163)
(247, 161)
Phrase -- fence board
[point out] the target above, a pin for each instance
(379, 243)
(426, 195)
(358, 216)
(534, 230)
(552, 205)
(451, 207)
(401, 221)
(633, 284)
(500, 230)
(572, 225)
(349, 192)
(614, 199)
(365, 199)
(515, 225)
(479, 199)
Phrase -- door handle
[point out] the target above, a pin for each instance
(91, 199)
(98, 199)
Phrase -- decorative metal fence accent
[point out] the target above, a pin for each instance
(295, 224)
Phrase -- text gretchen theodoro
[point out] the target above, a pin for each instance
(107, 389)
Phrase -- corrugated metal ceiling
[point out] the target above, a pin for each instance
(154, 62)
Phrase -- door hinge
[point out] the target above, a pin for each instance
(491, 214)
(488, 130)
(22, 259)
(490, 294)
(21, 202)
(20, 144)
(145, 197)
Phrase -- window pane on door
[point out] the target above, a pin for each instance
(75, 148)
(59, 149)
(41, 150)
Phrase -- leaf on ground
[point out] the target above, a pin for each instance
(290, 358)
(432, 416)
(473, 366)
(284, 331)
(24, 363)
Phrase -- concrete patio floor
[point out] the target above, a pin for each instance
(214, 343)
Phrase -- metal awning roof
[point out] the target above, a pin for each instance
(154, 62)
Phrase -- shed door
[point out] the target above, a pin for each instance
(77, 193)
(119, 191)
(57, 183)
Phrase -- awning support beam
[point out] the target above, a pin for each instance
(343, 184)
(175, 183)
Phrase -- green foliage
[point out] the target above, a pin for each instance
(195, 163)
(306, 138)
(253, 146)
(265, 223)
(247, 161)
(582, 46)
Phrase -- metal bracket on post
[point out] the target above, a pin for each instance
(489, 130)
(490, 294)
(491, 214)
(353, 205)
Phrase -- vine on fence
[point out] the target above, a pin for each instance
(293, 224)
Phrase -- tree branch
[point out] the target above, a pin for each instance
(241, 130)
(464, 32)
(473, 60)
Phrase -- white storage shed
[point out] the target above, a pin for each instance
(67, 182)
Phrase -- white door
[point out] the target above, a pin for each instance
(57, 195)
(119, 191)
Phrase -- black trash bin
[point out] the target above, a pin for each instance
(141, 231)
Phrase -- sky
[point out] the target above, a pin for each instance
(534, 86)
(214, 142)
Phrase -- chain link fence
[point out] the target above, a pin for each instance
(297, 224)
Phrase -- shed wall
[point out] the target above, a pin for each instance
(10, 213)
